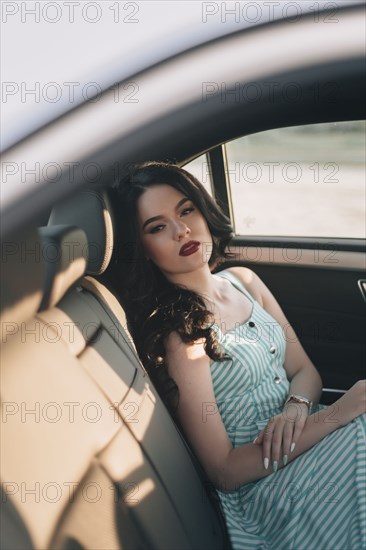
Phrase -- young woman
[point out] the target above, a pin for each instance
(289, 473)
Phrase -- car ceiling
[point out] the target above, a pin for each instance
(129, 40)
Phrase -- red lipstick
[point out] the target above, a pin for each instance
(189, 248)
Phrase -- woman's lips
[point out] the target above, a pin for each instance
(189, 248)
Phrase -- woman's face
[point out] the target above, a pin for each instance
(174, 234)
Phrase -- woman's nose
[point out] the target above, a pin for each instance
(181, 230)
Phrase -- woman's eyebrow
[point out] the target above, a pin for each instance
(156, 218)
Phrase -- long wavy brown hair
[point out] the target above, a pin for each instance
(154, 306)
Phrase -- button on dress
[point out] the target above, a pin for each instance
(317, 501)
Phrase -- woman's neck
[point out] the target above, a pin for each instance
(201, 281)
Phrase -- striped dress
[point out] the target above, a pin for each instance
(319, 499)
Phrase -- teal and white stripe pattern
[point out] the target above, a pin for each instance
(318, 501)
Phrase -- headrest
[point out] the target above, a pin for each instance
(91, 211)
(64, 250)
(22, 277)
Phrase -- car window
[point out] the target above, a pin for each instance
(300, 181)
(200, 168)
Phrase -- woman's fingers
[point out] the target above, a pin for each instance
(299, 426)
(279, 438)
(297, 414)
(259, 439)
(267, 442)
(276, 447)
(276, 441)
(286, 441)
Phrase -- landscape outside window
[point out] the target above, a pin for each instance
(306, 181)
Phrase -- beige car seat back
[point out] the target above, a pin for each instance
(90, 458)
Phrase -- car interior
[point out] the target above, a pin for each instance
(90, 456)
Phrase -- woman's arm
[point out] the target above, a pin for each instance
(351, 405)
(301, 372)
(228, 467)
(283, 431)
(200, 418)
(317, 426)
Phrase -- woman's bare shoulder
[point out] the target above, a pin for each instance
(250, 280)
(179, 352)
(173, 343)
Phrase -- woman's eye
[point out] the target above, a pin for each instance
(187, 211)
(157, 228)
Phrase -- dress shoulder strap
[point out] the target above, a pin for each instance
(236, 282)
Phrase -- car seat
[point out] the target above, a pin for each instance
(90, 456)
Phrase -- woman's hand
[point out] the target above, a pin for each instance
(282, 432)
(352, 404)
